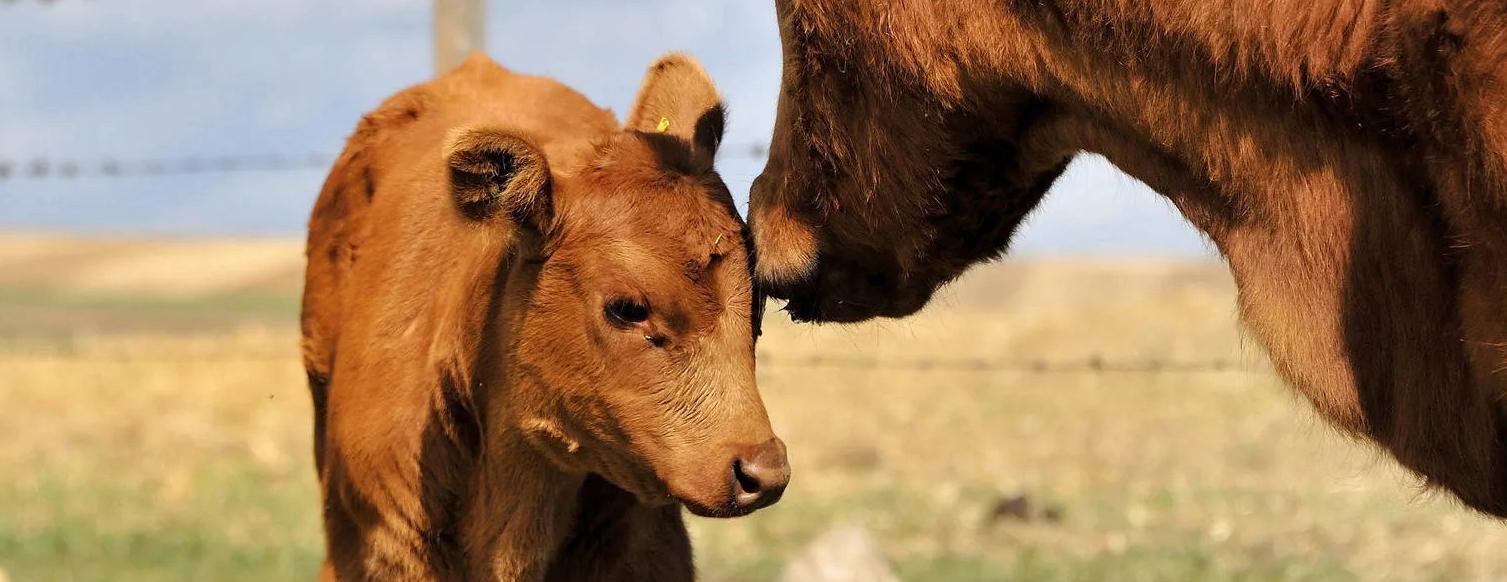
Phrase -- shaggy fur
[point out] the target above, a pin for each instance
(1348, 158)
(528, 333)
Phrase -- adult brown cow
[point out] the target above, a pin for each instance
(529, 334)
(1348, 159)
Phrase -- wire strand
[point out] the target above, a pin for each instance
(43, 168)
(1091, 364)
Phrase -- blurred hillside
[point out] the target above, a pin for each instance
(51, 284)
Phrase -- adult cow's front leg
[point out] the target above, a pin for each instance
(1449, 66)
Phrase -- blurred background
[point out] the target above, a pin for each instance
(1085, 410)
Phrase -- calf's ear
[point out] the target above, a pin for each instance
(497, 173)
(678, 99)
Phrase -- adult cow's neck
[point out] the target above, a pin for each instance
(1287, 138)
(1270, 133)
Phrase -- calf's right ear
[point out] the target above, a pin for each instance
(496, 173)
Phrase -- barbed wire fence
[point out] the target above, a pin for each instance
(41, 168)
(45, 168)
(1091, 364)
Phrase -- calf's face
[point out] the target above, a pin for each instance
(630, 318)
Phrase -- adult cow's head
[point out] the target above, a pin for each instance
(913, 136)
(629, 317)
(883, 183)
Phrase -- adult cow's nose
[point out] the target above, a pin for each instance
(760, 474)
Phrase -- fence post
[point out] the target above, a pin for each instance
(459, 29)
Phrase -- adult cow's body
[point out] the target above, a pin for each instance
(1349, 159)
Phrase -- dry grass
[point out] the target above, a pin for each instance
(149, 453)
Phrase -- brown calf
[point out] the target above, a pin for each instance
(1347, 157)
(529, 334)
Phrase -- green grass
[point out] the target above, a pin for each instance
(236, 524)
(240, 523)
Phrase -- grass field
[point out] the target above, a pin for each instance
(156, 427)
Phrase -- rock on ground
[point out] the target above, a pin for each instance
(846, 553)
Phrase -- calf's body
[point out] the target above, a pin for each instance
(529, 334)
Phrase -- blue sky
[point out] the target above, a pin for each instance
(88, 79)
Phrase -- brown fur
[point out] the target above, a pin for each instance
(1348, 158)
(482, 408)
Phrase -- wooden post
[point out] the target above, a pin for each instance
(459, 29)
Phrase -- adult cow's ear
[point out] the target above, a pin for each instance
(679, 99)
(496, 173)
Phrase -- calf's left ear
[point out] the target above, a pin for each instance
(678, 99)
(497, 173)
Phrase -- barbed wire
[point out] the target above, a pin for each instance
(1091, 364)
(42, 168)
(1095, 364)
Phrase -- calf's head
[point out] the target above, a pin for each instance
(628, 315)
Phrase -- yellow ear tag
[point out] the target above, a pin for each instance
(664, 125)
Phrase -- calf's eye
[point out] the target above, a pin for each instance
(626, 312)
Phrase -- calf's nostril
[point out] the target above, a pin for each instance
(747, 482)
(761, 474)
